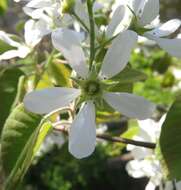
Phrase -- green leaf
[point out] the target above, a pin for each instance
(129, 75)
(105, 117)
(59, 73)
(169, 142)
(8, 90)
(21, 138)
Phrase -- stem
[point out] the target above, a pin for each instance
(116, 139)
(37, 74)
(106, 43)
(174, 185)
(51, 56)
(40, 68)
(92, 31)
(61, 110)
(60, 124)
(132, 11)
(127, 141)
(80, 21)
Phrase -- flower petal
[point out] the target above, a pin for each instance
(21, 52)
(165, 29)
(150, 12)
(134, 168)
(5, 37)
(35, 13)
(151, 185)
(82, 136)
(115, 20)
(68, 43)
(47, 100)
(81, 11)
(149, 130)
(137, 6)
(118, 54)
(34, 32)
(172, 46)
(130, 105)
(39, 3)
(9, 55)
(144, 168)
(139, 152)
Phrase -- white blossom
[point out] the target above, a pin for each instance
(82, 136)
(145, 163)
(146, 16)
(48, 16)
(32, 35)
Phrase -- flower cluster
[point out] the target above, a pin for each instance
(146, 163)
(96, 54)
(143, 18)
(90, 89)
(45, 17)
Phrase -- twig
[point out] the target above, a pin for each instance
(116, 139)
(127, 141)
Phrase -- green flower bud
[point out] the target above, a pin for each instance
(68, 6)
(135, 26)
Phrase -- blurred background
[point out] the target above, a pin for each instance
(55, 168)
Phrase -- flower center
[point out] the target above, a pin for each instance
(92, 88)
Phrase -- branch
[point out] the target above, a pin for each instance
(114, 139)
(127, 141)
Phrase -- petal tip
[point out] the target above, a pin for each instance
(81, 155)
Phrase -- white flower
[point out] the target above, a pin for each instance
(147, 14)
(148, 167)
(18, 49)
(149, 131)
(82, 136)
(42, 12)
(45, 13)
(48, 15)
(32, 35)
(145, 163)
(46, 10)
